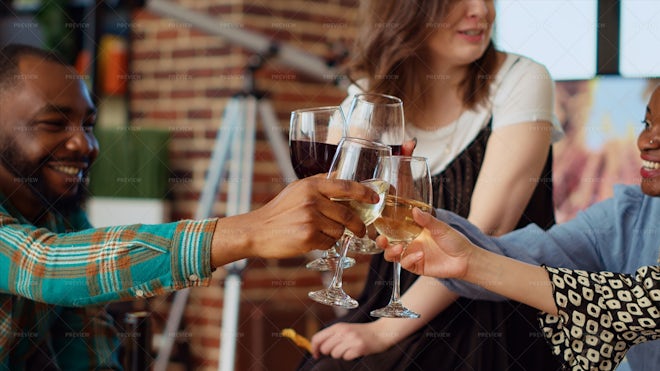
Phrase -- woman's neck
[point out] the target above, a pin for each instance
(443, 104)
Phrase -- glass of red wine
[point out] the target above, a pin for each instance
(379, 118)
(313, 137)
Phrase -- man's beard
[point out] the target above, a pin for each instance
(15, 162)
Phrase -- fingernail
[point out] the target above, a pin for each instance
(414, 139)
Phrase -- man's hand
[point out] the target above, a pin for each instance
(299, 219)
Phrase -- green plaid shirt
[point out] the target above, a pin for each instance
(56, 275)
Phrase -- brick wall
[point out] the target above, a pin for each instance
(185, 80)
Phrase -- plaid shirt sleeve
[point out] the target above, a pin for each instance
(96, 266)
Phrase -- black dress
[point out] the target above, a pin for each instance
(469, 334)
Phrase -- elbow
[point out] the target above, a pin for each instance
(497, 230)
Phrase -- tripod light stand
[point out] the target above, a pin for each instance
(236, 139)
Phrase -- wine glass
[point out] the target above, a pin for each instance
(313, 137)
(365, 245)
(410, 182)
(359, 160)
(379, 118)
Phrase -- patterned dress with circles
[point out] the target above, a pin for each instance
(601, 315)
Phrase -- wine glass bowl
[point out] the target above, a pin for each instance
(379, 118)
(362, 161)
(313, 137)
(396, 222)
(410, 188)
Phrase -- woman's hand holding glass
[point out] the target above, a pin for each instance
(359, 160)
(410, 188)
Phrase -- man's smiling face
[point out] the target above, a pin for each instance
(46, 138)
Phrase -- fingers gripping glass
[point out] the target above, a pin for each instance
(313, 137)
(410, 182)
(359, 160)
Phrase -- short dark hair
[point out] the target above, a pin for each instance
(10, 56)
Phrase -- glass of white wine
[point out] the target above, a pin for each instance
(410, 182)
(376, 117)
(359, 160)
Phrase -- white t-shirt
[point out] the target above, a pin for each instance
(523, 91)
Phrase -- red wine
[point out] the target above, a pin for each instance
(311, 158)
(396, 149)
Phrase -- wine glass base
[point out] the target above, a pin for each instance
(365, 246)
(365, 250)
(328, 264)
(333, 297)
(394, 310)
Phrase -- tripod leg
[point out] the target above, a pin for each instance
(239, 192)
(231, 121)
(239, 199)
(234, 114)
(277, 142)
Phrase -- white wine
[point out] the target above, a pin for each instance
(366, 211)
(396, 221)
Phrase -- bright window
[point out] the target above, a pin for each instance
(640, 38)
(561, 34)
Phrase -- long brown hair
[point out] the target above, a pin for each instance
(390, 51)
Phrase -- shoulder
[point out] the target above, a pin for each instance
(6, 215)
(520, 73)
(629, 199)
(78, 220)
(520, 65)
(626, 206)
(523, 92)
(628, 192)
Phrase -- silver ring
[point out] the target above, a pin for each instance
(651, 141)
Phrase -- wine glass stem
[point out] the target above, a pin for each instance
(332, 252)
(396, 289)
(339, 270)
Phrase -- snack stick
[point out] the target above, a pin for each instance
(298, 339)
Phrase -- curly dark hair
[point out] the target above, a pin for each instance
(10, 56)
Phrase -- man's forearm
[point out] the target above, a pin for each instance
(157, 258)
